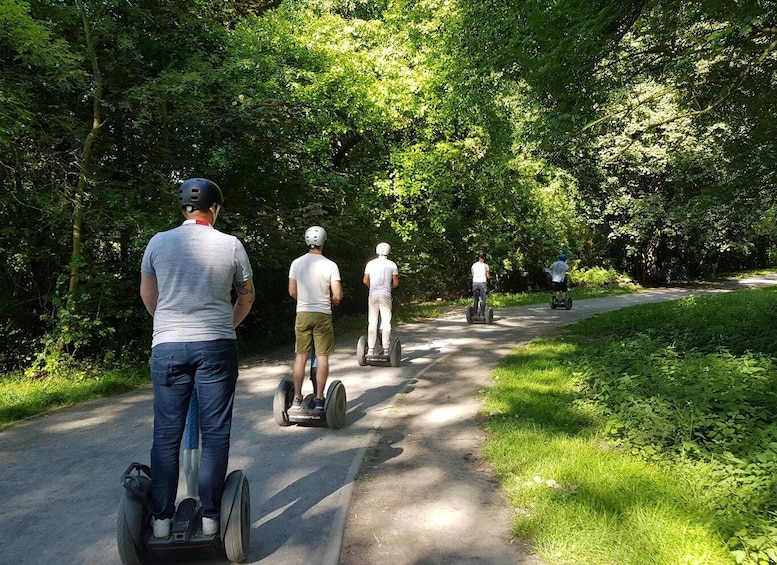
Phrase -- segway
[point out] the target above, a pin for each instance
(565, 303)
(333, 414)
(134, 536)
(379, 356)
(475, 317)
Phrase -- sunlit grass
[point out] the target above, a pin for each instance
(645, 435)
(23, 396)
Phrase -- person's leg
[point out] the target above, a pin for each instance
(373, 314)
(216, 376)
(384, 303)
(298, 371)
(324, 340)
(173, 385)
(322, 374)
(303, 347)
(480, 304)
(483, 297)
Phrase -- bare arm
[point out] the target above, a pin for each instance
(366, 280)
(394, 281)
(337, 292)
(293, 288)
(245, 301)
(149, 292)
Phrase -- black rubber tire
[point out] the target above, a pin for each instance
(489, 315)
(552, 302)
(132, 526)
(470, 314)
(236, 517)
(568, 304)
(284, 394)
(361, 351)
(395, 352)
(335, 405)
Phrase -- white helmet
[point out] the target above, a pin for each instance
(315, 236)
(383, 249)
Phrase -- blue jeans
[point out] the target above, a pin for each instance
(480, 290)
(175, 369)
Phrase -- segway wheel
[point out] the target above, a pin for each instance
(470, 314)
(284, 394)
(361, 351)
(335, 405)
(552, 302)
(489, 315)
(568, 303)
(236, 516)
(134, 520)
(395, 352)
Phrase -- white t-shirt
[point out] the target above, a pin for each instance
(314, 274)
(558, 271)
(479, 270)
(381, 271)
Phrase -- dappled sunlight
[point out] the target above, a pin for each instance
(441, 518)
(94, 421)
(445, 414)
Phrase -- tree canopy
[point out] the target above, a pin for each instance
(635, 135)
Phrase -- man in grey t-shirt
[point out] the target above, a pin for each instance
(187, 275)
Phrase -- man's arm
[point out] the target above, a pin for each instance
(245, 301)
(337, 292)
(394, 281)
(293, 288)
(366, 280)
(149, 292)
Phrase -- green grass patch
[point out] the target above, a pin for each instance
(25, 396)
(645, 435)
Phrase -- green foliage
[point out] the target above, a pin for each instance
(685, 388)
(622, 134)
(23, 396)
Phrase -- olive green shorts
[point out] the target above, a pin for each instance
(314, 329)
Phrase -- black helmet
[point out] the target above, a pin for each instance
(199, 194)
(481, 254)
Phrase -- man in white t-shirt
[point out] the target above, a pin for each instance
(314, 282)
(381, 276)
(480, 276)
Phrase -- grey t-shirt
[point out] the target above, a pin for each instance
(195, 267)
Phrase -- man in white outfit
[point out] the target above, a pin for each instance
(381, 277)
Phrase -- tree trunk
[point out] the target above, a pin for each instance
(97, 123)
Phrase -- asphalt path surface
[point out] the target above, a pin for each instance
(59, 479)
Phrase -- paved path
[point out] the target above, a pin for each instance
(59, 474)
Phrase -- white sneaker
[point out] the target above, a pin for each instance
(161, 528)
(210, 526)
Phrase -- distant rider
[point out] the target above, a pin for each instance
(558, 274)
(381, 276)
(480, 277)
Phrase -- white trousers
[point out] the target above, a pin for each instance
(379, 309)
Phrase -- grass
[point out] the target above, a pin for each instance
(23, 396)
(645, 435)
